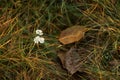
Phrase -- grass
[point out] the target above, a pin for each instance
(21, 59)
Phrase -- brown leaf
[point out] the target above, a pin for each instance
(61, 55)
(72, 34)
(114, 63)
(73, 59)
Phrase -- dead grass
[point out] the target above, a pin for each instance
(21, 59)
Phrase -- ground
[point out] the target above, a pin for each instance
(22, 59)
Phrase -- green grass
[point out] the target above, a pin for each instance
(21, 59)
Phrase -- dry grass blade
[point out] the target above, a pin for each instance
(97, 41)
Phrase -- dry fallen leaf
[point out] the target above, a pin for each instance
(73, 59)
(114, 63)
(72, 34)
(61, 55)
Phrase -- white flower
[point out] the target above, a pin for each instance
(38, 39)
(39, 32)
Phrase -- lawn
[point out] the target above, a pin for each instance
(96, 55)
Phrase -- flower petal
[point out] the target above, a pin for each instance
(42, 40)
(38, 39)
(39, 32)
